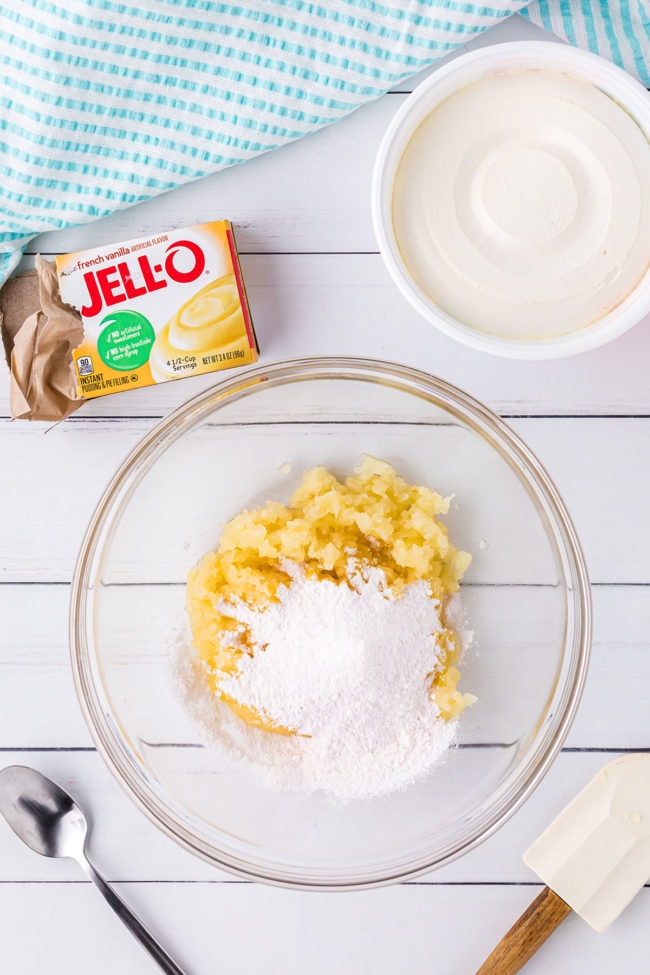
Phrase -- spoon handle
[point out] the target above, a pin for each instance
(135, 926)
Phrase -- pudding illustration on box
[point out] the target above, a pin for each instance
(158, 308)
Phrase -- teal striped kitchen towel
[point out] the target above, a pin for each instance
(105, 103)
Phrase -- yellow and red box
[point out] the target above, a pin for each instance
(158, 308)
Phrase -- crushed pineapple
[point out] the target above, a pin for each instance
(374, 518)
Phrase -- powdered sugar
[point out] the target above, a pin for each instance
(347, 667)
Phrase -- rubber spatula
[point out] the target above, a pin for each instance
(593, 859)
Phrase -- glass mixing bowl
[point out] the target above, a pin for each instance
(526, 596)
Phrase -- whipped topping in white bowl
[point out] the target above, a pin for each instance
(511, 200)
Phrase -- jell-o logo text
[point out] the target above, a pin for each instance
(120, 282)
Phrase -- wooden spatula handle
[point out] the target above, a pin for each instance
(526, 935)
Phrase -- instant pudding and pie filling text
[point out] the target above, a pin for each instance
(158, 308)
(325, 635)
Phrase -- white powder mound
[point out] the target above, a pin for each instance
(349, 668)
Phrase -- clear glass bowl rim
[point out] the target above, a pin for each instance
(473, 414)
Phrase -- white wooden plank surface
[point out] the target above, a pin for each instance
(129, 848)
(333, 304)
(248, 929)
(317, 286)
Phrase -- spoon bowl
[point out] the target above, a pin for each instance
(41, 813)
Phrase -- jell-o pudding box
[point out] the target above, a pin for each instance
(158, 308)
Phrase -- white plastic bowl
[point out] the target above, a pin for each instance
(443, 83)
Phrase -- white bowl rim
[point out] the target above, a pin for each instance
(513, 55)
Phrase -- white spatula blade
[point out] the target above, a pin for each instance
(596, 854)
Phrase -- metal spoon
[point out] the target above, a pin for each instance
(49, 821)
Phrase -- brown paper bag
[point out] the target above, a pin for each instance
(39, 333)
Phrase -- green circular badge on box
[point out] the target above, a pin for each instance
(125, 340)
